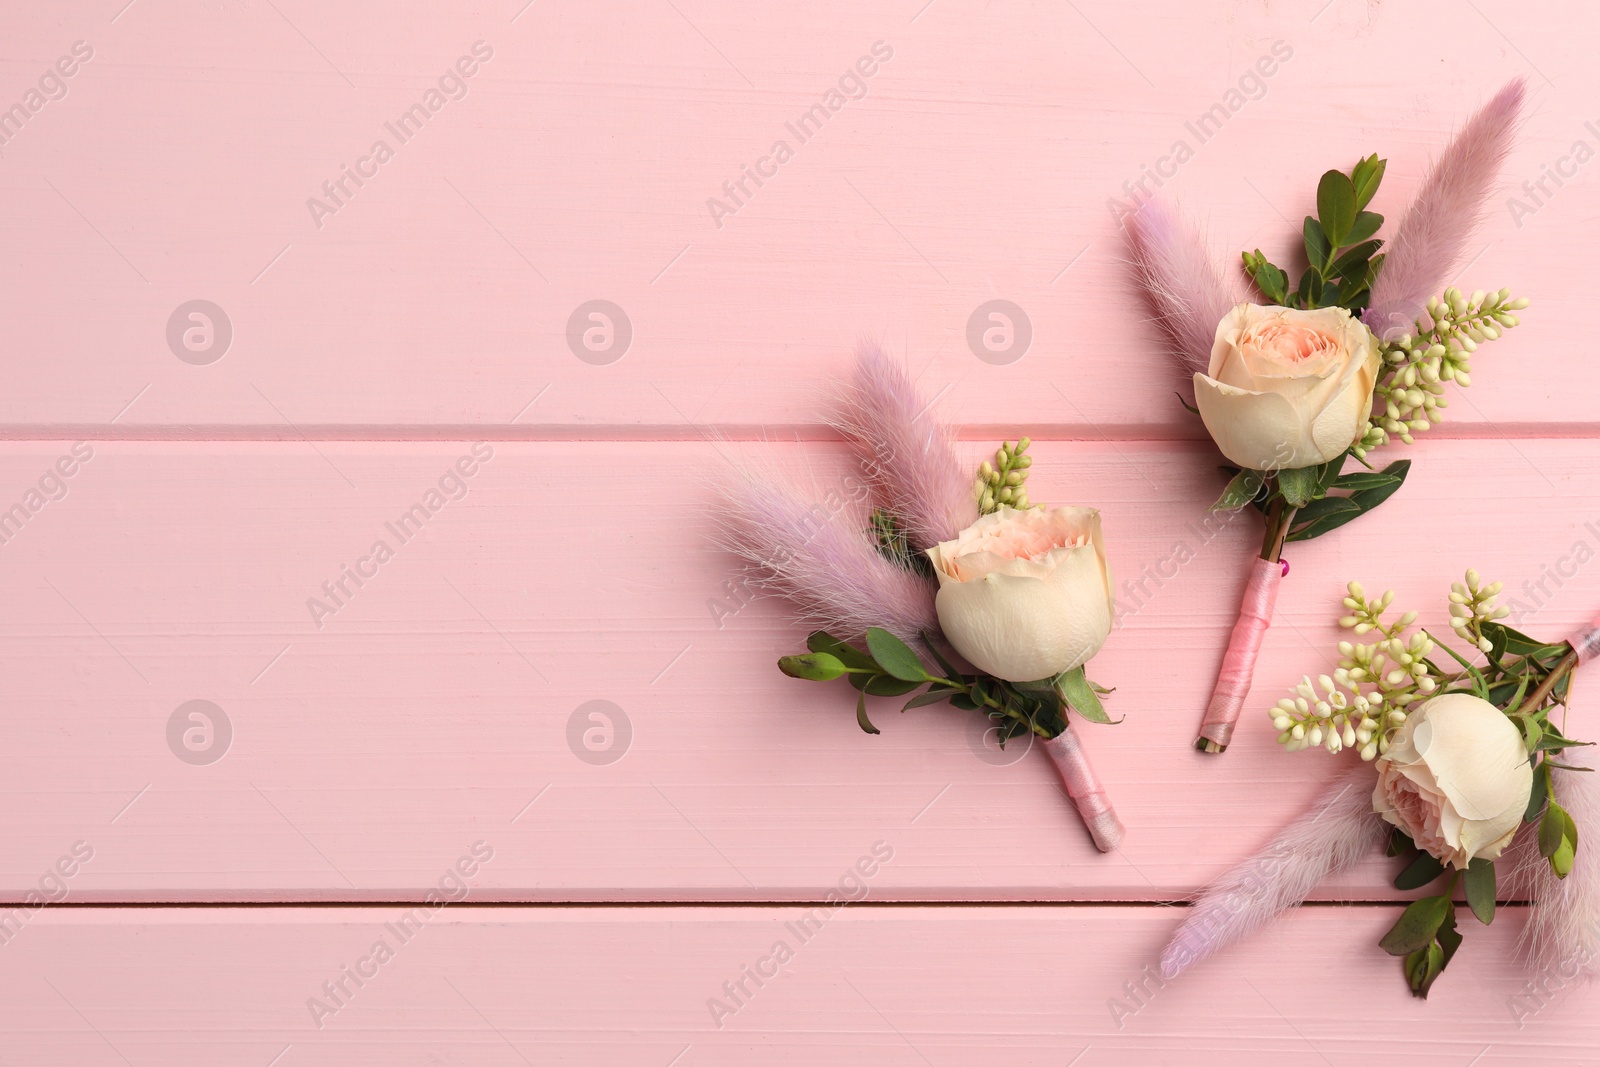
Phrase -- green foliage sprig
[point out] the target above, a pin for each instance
(1341, 251)
(1342, 262)
(1368, 699)
(888, 667)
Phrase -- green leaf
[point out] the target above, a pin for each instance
(936, 695)
(1367, 224)
(822, 641)
(1271, 280)
(1552, 829)
(1479, 685)
(1366, 177)
(1423, 966)
(1371, 498)
(944, 664)
(882, 685)
(1375, 267)
(1532, 732)
(1080, 696)
(1366, 498)
(861, 715)
(1336, 207)
(1561, 860)
(895, 656)
(1240, 491)
(1327, 507)
(1357, 480)
(1422, 870)
(815, 667)
(1416, 926)
(1447, 940)
(1298, 486)
(1480, 884)
(1310, 292)
(1399, 842)
(1538, 794)
(1318, 247)
(1353, 262)
(1517, 643)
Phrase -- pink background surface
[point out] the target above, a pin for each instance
(372, 346)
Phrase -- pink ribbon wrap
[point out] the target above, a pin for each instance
(1084, 787)
(1586, 642)
(1244, 645)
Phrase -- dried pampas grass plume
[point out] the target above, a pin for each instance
(904, 451)
(824, 563)
(1427, 246)
(1180, 283)
(1562, 938)
(1334, 834)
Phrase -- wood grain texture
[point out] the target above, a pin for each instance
(434, 705)
(183, 497)
(578, 165)
(1034, 986)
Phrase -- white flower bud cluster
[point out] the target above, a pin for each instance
(1364, 703)
(1410, 391)
(1472, 606)
(1000, 484)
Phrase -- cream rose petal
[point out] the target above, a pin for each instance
(1019, 611)
(1260, 431)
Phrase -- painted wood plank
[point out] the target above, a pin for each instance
(446, 698)
(577, 164)
(1035, 986)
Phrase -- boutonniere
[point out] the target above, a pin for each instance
(1462, 755)
(1300, 378)
(945, 586)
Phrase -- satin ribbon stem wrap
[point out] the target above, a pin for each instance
(1085, 789)
(1586, 642)
(1244, 645)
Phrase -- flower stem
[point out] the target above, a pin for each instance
(1537, 698)
(1279, 516)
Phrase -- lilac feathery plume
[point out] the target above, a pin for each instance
(1427, 246)
(824, 563)
(1186, 293)
(905, 452)
(1338, 831)
(1562, 938)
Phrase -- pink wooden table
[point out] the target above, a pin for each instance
(284, 280)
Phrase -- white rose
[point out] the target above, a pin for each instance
(1287, 388)
(1456, 779)
(1024, 595)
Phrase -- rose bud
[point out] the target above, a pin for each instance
(1287, 388)
(1456, 778)
(1024, 595)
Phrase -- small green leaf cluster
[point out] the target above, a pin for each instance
(1409, 396)
(1364, 704)
(1341, 249)
(890, 536)
(1425, 935)
(888, 667)
(1316, 499)
(1000, 484)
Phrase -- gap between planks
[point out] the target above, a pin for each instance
(666, 905)
(777, 433)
